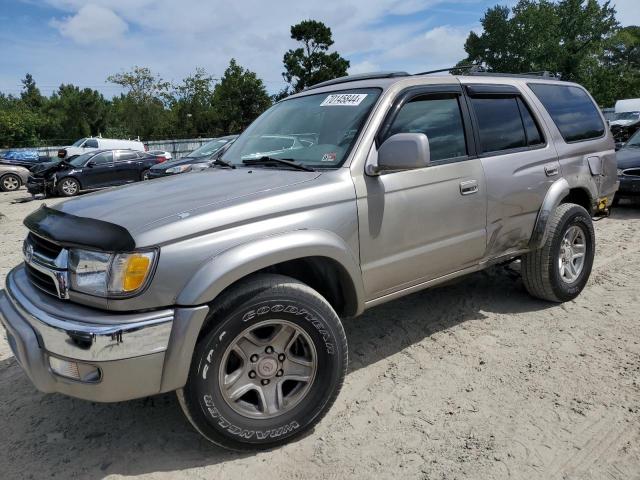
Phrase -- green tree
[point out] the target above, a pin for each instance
(31, 96)
(76, 113)
(192, 110)
(141, 111)
(576, 39)
(238, 99)
(311, 63)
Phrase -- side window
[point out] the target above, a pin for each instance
(91, 143)
(531, 129)
(102, 158)
(499, 123)
(572, 111)
(126, 156)
(439, 119)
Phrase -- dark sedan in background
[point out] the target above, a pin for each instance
(200, 156)
(91, 171)
(629, 168)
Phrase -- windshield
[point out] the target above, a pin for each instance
(315, 130)
(80, 160)
(209, 148)
(627, 116)
(79, 142)
(634, 141)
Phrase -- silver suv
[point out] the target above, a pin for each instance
(228, 285)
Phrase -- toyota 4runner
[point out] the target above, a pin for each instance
(227, 286)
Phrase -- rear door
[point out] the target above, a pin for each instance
(519, 160)
(126, 167)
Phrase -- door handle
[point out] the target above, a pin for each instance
(469, 187)
(551, 170)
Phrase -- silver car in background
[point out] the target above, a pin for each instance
(12, 177)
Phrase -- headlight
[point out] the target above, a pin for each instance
(179, 169)
(620, 172)
(105, 274)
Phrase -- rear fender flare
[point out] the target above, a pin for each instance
(558, 190)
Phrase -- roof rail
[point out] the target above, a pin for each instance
(450, 69)
(357, 77)
(543, 74)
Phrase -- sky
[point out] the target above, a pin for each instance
(84, 41)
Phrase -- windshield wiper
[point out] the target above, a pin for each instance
(274, 160)
(223, 163)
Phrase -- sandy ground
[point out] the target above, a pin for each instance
(472, 380)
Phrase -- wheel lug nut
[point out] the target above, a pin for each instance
(269, 349)
(252, 374)
(279, 373)
(265, 381)
(254, 358)
(281, 357)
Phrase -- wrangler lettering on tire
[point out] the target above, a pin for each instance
(268, 365)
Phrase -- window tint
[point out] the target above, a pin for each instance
(499, 123)
(571, 109)
(439, 119)
(124, 156)
(102, 158)
(534, 137)
(91, 143)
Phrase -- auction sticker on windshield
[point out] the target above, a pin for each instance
(343, 100)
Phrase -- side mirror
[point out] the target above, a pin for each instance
(402, 151)
(91, 164)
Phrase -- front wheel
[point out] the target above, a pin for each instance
(560, 269)
(269, 366)
(10, 183)
(68, 187)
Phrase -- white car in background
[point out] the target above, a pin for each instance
(85, 145)
(161, 153)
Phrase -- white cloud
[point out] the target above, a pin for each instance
(91, 24)
(363, 67)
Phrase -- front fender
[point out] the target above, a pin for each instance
(239, 261)
(558, 190)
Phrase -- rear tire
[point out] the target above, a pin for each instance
(145, 175)
(269, 364)
(559, 270)
(10, 182)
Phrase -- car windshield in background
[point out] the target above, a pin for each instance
(314, 130)
(634, 141)
(208, 149)
(79, 161)
(79, 142)
(627, 116)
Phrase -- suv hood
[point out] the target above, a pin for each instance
(143, 206)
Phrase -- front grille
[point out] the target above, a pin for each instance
(44, 247)
(41, 280)
(632, 172)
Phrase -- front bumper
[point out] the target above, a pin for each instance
(35, 186)
(136, 354)
(629, 186)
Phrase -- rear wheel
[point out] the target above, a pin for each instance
(269, 368)
(145, 175)
(68, 187)
(560, 269)
(10, 182)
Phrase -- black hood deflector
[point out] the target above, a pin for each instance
(73, 231)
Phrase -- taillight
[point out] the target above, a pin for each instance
(161, 159)
(62, 153)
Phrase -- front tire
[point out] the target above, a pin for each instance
(268, 366)
(10, 183)
(68, 187)
(559, 271)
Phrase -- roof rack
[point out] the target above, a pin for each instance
(360, 76)
(544, 74)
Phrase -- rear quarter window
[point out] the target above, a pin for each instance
(571, 110)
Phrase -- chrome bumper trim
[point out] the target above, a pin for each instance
(141, 334)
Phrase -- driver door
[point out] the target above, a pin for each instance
(100, 173)
(418, 225)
